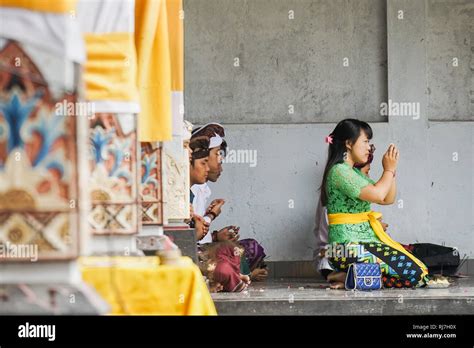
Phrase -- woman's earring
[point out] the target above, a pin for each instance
(345, 156)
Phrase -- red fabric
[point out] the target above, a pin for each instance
(227, 271)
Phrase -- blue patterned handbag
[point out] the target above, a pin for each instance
(364, 276)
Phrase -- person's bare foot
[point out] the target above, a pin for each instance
(337, 277)
(259, 274)
(337, 285)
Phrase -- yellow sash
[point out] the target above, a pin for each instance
(372, 217)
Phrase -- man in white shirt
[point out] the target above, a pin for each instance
(254, 252)
(198, 172)
(214, 132)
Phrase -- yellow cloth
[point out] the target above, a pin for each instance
(372, 217)
(154, 70)
(146, 288)
(111, 67)
(175, 30)
(55, 6)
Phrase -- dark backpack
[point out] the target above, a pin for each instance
(438, 258)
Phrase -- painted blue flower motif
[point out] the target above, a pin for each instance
(56, 161)
(118, 150)
(99, 140)
(149, 162)
(50, 129)
(16, 113)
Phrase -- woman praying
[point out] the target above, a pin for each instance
(353, 227)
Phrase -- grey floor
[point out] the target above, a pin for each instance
(292, 296)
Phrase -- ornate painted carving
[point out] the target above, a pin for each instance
(152, 209)
(113, 183)
(38, 155)
(175, 166)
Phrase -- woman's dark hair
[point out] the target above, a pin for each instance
(348, 129)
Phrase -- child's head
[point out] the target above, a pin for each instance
(365, 167)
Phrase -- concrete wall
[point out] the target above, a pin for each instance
(449, 35)
(275, 200)
(284, 58)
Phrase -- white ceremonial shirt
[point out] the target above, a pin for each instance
(202, 193)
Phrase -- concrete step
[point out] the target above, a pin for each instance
(185, 239)
(293, 296)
